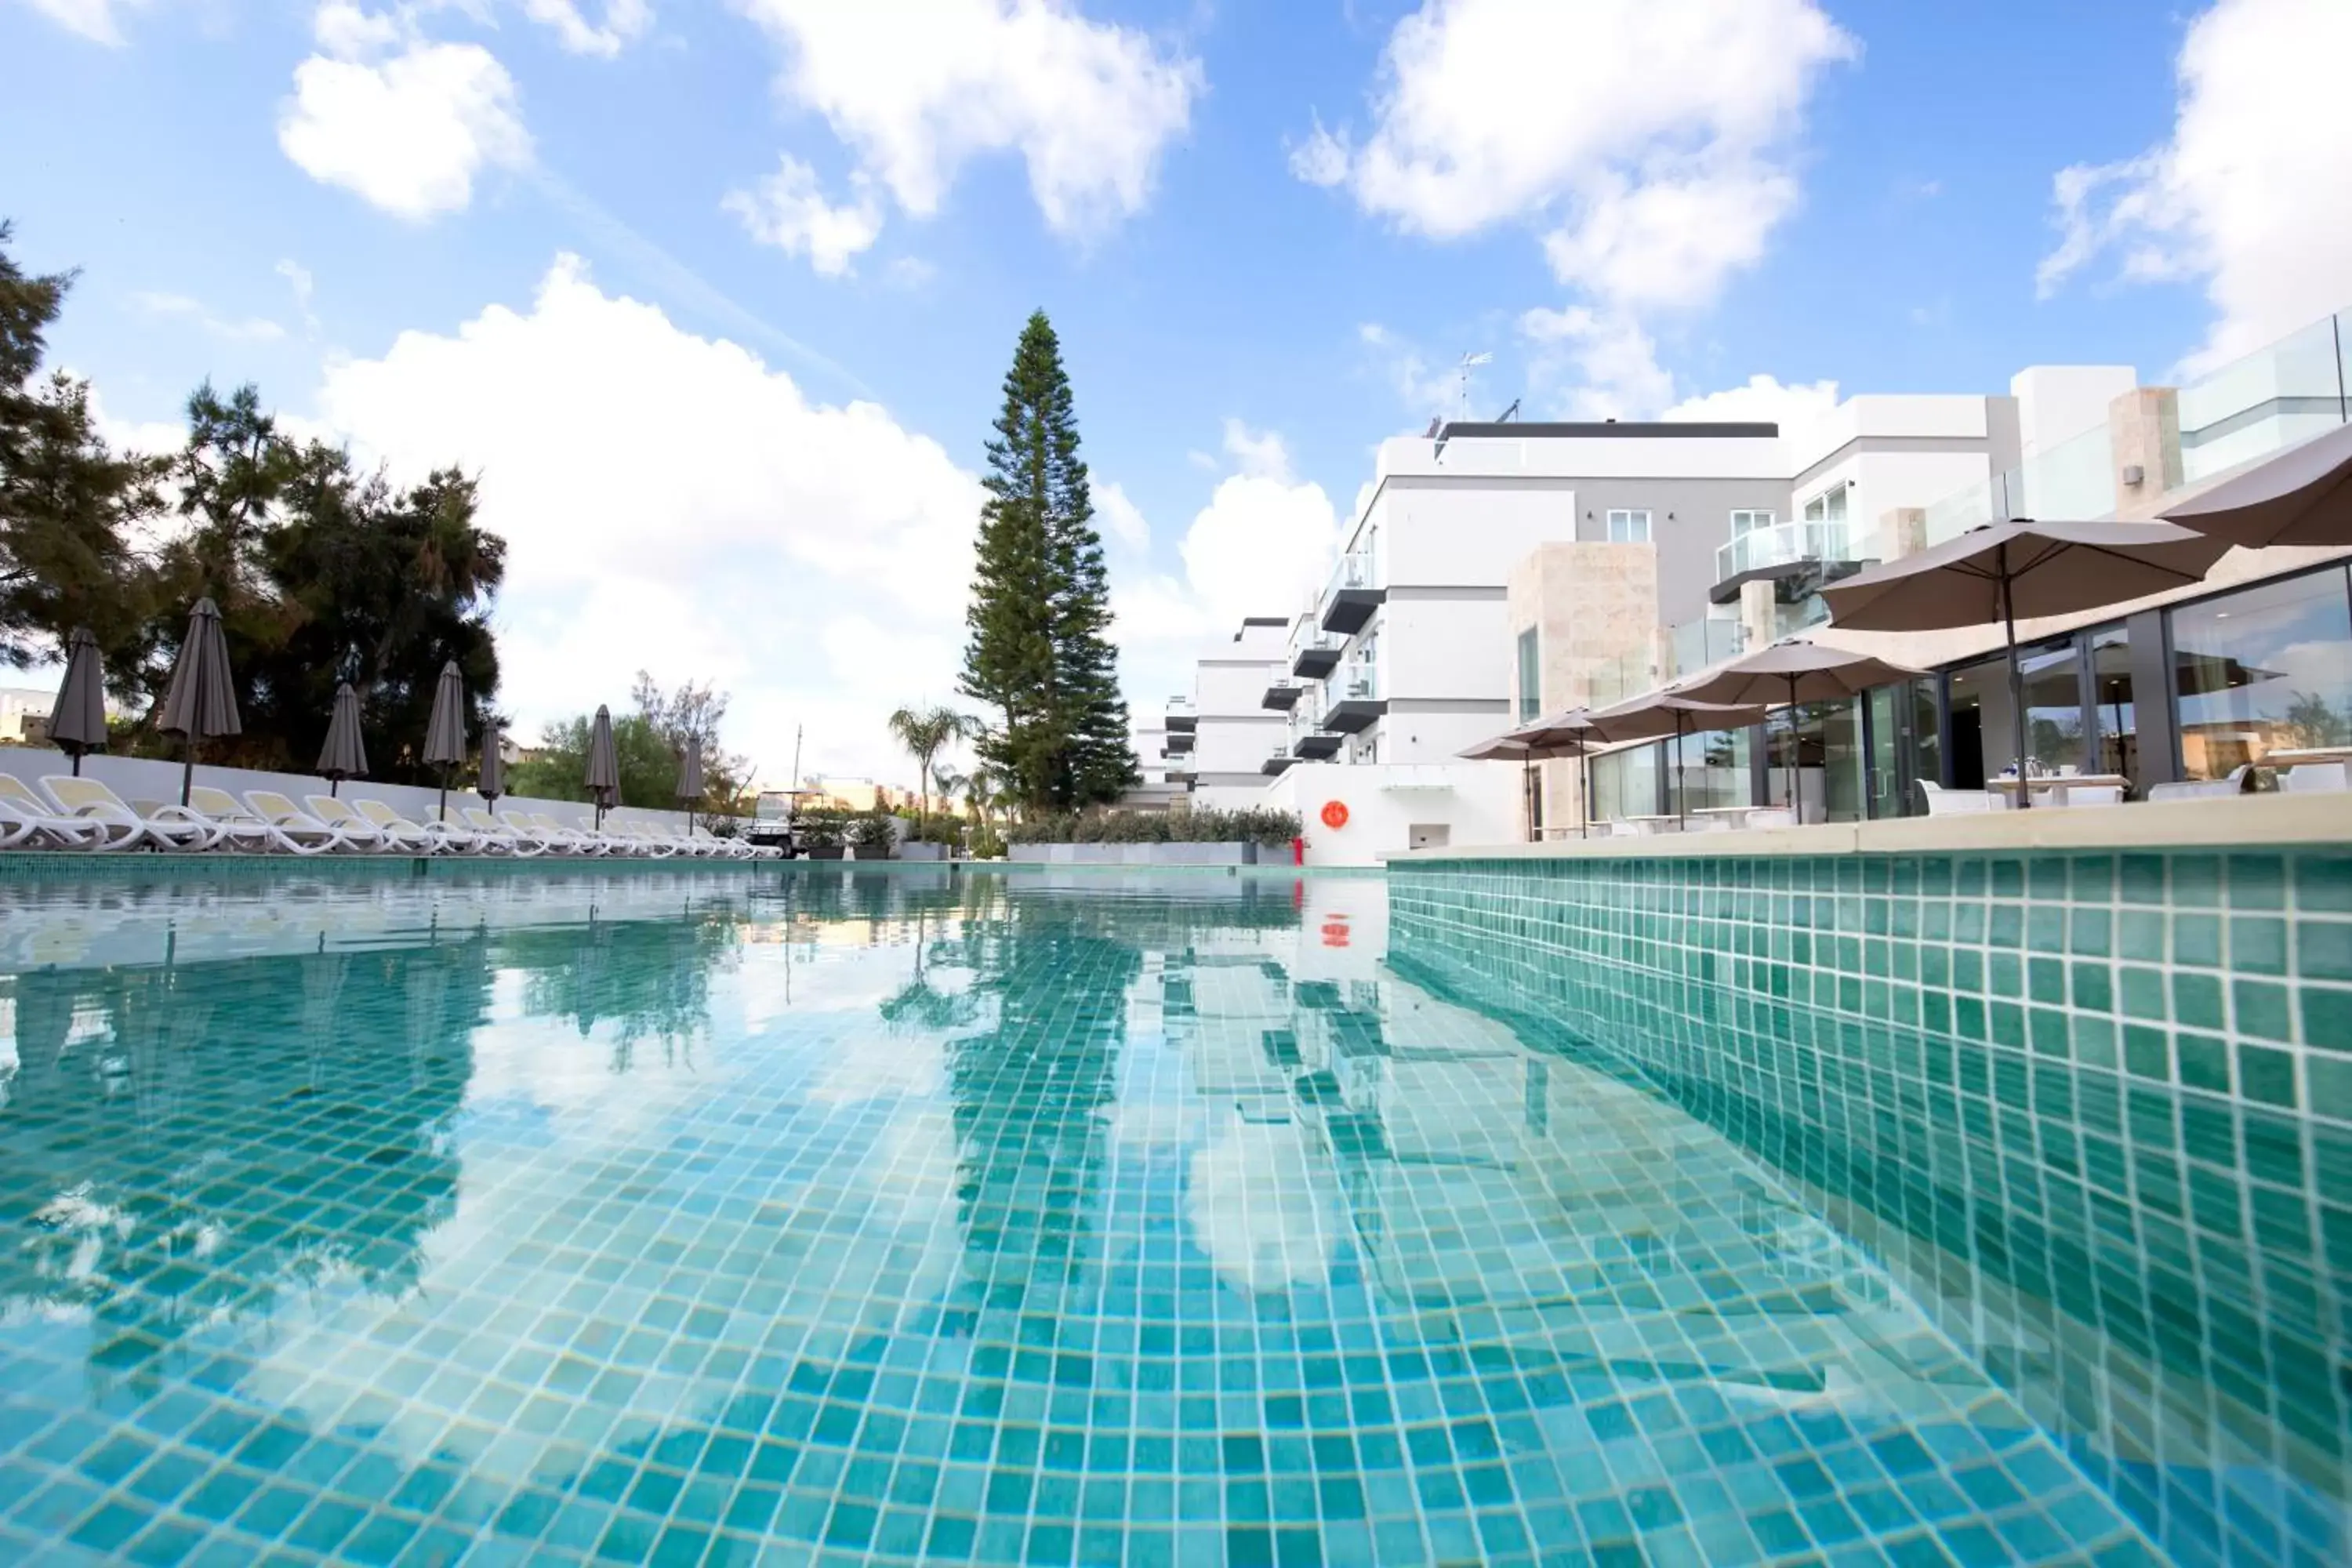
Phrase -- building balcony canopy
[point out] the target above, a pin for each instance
(1316, 659)
(1316, 747)
(1179, 742)
(1797, 557)
(1281, 696)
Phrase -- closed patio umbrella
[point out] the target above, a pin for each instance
(1796, 671)
(445, 731)
(689, 777)
(603, 773)
(1996, 574)
(201, 702)
(492, 783)
(78, 721)
(342, 757)
(2301, 495)
(1655, 715)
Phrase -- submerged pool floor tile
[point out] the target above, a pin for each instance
(829, 1216)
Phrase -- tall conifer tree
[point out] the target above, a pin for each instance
(1040, 651)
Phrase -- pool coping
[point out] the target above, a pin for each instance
(27, 866)
(2233, 822)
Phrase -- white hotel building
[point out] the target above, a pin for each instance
(1683, 543)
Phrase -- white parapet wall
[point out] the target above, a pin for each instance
(1387, 808)
(139, 778)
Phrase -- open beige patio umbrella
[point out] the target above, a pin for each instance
(342, 757)
(2301, 495)
(445, 731)
(689, 777)
(2023, 569)
(1794, 671)
(77, 719)
(1655, 715)
(603, 770)
(201, 702)
(492, 783)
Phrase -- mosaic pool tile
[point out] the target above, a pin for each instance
(829, 1215)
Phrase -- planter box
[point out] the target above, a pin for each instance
(922, 851)
(1136, 854)
(868, 852)
(824, 852)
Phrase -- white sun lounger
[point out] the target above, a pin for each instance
(280, 811)
(29, 821)
(494, 836)
(166, 827)
(556, 834)
(244, 827)
(420, 837)
(357, 830)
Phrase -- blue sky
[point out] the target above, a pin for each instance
(1263, 230)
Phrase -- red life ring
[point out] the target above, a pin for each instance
(1335, 814)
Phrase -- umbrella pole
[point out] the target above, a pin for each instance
(1796, 802)
(76, 765)
(1584, 799)
(445, 792)
(187, 768)
(2016, 680)
(1682, 779)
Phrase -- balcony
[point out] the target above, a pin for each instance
(1355, 701)
(1351, 598)
(1282, 695)
(1180, 715)
(1316, 657)
(1277, 760)
(1180, 741)
(1314, 746)
(1796, 558)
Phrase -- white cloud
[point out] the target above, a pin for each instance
(625, 22)
(179, 307)
(1262, 453)
(908, 272)
(1595, 364)
(298, 278)
(1647, 142)
(2253, 192)
(1121, 518)
(1261, 547)
(99, 21)
(788, 211)
(1790, 406)
(672, 503)
(1633, 126)
(917, 86)
(1423, 387)
(408, 130)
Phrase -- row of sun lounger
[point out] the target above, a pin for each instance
(84, 813)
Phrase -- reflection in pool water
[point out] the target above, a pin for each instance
(846, 1217)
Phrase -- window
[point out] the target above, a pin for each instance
(1827, 507)
(2267, 668)
(1629, 527)
(1530, 678)
(1747, 521)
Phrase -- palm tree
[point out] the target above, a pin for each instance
(951, 782)
(925, 732)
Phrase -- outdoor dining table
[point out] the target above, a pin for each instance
(2057, 784)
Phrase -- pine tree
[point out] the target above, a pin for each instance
(1040, 614)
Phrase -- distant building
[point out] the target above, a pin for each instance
(25, 715)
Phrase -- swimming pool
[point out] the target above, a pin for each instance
(839, 1216)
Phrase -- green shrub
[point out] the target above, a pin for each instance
(821, 826)
(873, 829)
(987, 843)
(1201, 824)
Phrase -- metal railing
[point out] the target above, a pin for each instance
(1356, 681)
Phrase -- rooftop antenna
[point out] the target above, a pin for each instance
(1508, 413)
(1470, 363)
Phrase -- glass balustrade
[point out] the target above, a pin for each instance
(1782, 544)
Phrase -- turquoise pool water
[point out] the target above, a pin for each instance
(827, 1215)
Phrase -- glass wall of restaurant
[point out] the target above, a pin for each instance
(2256, 670)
